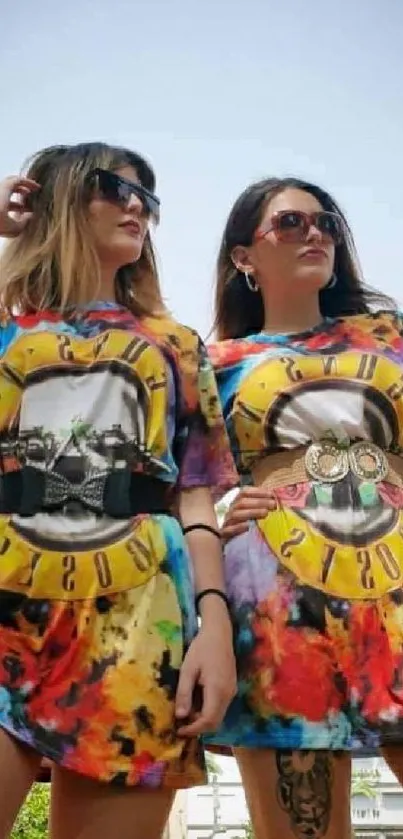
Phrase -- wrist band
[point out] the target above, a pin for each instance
(201, 526)
(207, 591)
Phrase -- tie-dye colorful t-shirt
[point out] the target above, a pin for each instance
(316, 586)
(103, 419)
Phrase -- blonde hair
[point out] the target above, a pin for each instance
(53, 262)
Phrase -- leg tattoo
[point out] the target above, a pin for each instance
(304, 791)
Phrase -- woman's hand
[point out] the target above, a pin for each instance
(10, 188)
(250, 503)
(209, 666)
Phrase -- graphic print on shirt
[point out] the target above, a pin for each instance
(316, 586)
(114, 420)
(98, 411)
(352, 529)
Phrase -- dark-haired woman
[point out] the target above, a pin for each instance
(109, 420)
(310, 370)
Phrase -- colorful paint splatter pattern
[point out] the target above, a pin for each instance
(317, 586)
(97, 610)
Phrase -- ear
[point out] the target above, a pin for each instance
(241, 259)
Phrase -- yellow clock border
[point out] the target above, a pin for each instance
(40, 572)
(344, 571)
(289, 374)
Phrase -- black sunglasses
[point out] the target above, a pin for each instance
(119, 190)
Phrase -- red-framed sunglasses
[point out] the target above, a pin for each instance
(293, 226)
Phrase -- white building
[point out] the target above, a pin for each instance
(220, 809)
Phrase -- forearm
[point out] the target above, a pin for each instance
(209, 662)
(196, 507)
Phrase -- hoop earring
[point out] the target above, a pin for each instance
(251, 283)
(332, 282)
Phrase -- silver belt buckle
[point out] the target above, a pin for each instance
(327, 462)
(368, 462)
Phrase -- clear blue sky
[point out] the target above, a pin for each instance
(216, 94)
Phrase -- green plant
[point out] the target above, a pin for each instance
(365, 783)
(213, 768)
(247, 832)
(32, 822)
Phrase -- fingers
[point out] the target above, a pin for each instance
(208, 677)
(252, 492)
(202, 723)
(17, 184)
(15, 211)
(215, 703)
(21, 191)
(193, 729)
(253, 498)
(184, 694)
(15, 205)
(250, 511)
(228, 531)
(251, 503)
(22, 221)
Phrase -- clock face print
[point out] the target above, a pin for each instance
(115, 419)
(345, 538)
(316, 585)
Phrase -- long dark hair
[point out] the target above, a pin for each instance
(238, 311)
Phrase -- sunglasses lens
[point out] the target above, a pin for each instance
(150, 203)
(111, 187)
(293, 226)
(116, 189)
(290, 226)
(330, 227)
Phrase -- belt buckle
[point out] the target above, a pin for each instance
(368, 461)
(326, 462)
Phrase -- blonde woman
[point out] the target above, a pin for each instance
(109, 420)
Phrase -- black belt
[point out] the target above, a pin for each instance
(119, 493)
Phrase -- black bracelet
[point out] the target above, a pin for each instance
(201, 526)
(216, 591)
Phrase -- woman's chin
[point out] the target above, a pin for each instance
(121, 256)
(313, 278)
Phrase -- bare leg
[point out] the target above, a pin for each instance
(18, 769)
(297, 795)
(86, 809)
(394, 758)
